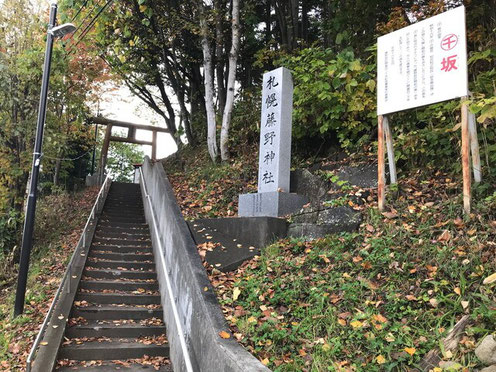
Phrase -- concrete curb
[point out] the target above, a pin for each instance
(199, 312)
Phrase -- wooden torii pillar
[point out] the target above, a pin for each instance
(130, 138)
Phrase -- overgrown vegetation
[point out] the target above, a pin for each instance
(59, 223)
(206, 190)
(376, 300)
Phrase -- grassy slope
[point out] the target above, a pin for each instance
(375, 300)
(59, 222)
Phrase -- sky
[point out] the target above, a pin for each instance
(121, 104)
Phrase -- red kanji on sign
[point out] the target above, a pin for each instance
(449, 63)
(449, 42)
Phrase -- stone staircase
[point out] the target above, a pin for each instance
(116, 318)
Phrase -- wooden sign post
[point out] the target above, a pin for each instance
(418, 65)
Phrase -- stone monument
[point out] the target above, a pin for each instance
(273, 198)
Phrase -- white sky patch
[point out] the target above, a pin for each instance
(121, 104)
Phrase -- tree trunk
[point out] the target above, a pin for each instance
(304, 20)
(268, 21)
(209, 86)
(294, 18)
(56, 172)
(233, 59)
(219, 54)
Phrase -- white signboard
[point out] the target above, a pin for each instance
(423, 63)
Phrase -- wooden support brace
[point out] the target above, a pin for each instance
(154, 145)
(105, 148)
(381, 186)
(129, 140)
(390, 150)
(466, 159)
(474, 146)
(131, 133)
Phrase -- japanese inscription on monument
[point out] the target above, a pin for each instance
(423, 63)
(273, 198)
(275, 131)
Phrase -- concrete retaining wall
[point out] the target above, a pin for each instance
(199, 312)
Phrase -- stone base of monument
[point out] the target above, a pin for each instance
(270, 204)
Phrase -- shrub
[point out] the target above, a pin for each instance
(334, 95)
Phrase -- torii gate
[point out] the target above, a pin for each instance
(131, 136)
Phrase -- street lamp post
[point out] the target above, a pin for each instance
(27, 235)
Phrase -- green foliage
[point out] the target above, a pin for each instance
(246, 120)
(22, 47)
(120, 160)
(334, 95)
(9, 223)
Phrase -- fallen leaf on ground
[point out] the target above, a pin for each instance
(224, 334)
(490, 279)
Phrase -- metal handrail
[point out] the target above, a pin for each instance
(182, 341)
(68, 272)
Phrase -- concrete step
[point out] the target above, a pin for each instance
(116, 207)
(137, 266)
(119, 285)
(123, 207)
(99, 254)
(119, 224)
(116, 274)
(116, 367)
(122, 249)
(141, 229)
(112, 234)
(119, 298)
(115, 329)
(121, 242)
(132, 201)
(123, 219)
(115, 312)
(114, 350)
(123, 213)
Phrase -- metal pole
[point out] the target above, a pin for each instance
(27, 235)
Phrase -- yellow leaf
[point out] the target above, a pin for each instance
(224, 334)
(457, 291)
(380, 359)
(490, 279)
(356, 324)
(236, 293)
(326, 347)
(43, 343)
(342, 322)
(410, 350)
(252, 319)
(265, 361)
